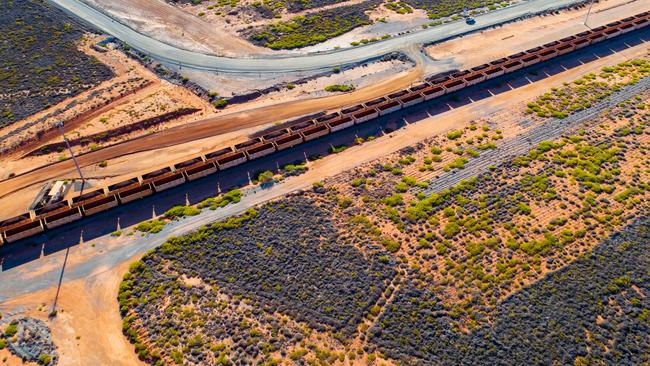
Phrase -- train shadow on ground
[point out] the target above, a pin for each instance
(104, 223)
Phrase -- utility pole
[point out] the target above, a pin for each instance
(74, 159)
(589, 11)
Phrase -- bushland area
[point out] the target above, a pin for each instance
(541, 259)
(40, 64)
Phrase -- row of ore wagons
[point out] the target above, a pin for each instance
(105, 198)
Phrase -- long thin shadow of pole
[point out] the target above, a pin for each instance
(58, 288)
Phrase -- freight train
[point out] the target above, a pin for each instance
(102, 199)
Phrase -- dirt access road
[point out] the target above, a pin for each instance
(212, 126)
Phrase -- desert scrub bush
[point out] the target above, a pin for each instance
(264, 177)
(391, 245)
(181, 211)
(294, 169)
(584, 92)
(455, 135)
(10, 330)
(458, 163)
(339, 88)
(41, 64)
(438, 9)
(220, 103)
(312, 28)
(151, 226)
(593, 286)
(44, 359)
(285, 256)
(337, 149)
(232, 196)
(358, 182)
(407, 160)
(272, 8)
(399, 7)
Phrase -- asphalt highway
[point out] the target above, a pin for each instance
(289, 63)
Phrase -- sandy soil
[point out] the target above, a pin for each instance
(360, 76)
(7, 358)
(174, 26)
(471, 50)
(152, 101)
(228, 85)
(87, 316)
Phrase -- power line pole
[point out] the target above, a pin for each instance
(589, 11)
(74, 159)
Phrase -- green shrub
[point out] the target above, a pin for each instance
(312, 28)
(151, 226)
(391, 245)
(451, 229)
(181, 211)
(395, 200)
(455, 135)
(458, 163)
(220, 103)
(265, 176)
(177, 356)
(45, 359)
(11, 330)
(524, 208)
(339, 88)
(232, 196)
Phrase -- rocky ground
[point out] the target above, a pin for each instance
(30, 340)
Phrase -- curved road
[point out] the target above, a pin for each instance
(289, 63)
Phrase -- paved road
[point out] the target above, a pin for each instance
(288, 63)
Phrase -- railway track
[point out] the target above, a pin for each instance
(524, 142)
(66, 211)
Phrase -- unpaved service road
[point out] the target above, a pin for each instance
(206, 128)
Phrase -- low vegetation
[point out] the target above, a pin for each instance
(40, 64)
(229, 290)
(310, 29)
(591, 88)
(588, 313)
(339, 88)
(438, 9)
(374, 265)
(232, 196)
(272, 8)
